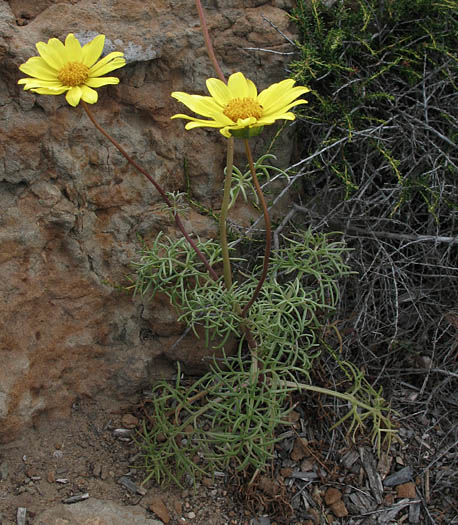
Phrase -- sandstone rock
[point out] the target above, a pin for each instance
(159, 508)
(94, 512)
(71, 208)
(339, 509)
(332, 495)
(406, 490)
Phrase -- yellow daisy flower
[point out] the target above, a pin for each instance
(237, 109)
(71, 69)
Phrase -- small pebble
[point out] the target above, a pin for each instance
(406, 490)
(21, 515)
(131, 486)
(122, 432)
(97, 470)
(75, 498)
(129, 421)
(3, 470)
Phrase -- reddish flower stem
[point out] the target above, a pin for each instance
(268, 230)
(208, 43)
(178, 222)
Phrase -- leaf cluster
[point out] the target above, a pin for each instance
(229, 416)
(384, 79)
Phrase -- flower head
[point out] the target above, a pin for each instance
(237, 107)
(71, 69)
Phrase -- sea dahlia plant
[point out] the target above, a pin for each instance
(71, 69)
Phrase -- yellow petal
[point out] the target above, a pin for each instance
(73, 49)
(92, 50)
(282, 109)
(285, 99)
(280, 116)
(74, 95)
(219, 91)
(89, 95)
(53, 53)
(225, 132)
(37, 67)
(238, 86)
(198, 122)
(46, 91)
(101, 81)
(245, 122)
(37, 82)
(280, 94)
(107, 64)
(251, 87)
(202, 124)
(201, 105)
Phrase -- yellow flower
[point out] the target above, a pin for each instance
(237, 105)
(70, 69)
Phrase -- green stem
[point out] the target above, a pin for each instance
(208, 43)
(223, 216)
(268, 230)
(158, 188)
(341, 395)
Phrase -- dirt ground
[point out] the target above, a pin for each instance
(317, 478)
(86, 454)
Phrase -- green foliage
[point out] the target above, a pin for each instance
(229, 416)
(226, 418)
(384, 76)
(242, 182)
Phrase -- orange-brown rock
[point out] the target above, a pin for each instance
(71, 208)
(406, 490)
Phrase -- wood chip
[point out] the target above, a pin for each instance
(363, 502)
(384, 465)
(375, 483)
(398, 478)
(414, 513)
(388, 515)
(298, 474)
(427, 488)
(350, 461)
(131, 486)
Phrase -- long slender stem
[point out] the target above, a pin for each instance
(223, 217)
(268, 230)
(178, 222)
(223, 226)
(208, 43)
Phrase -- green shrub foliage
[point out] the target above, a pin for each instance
(384, 76)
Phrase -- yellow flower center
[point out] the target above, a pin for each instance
(243, 108)
(73, 74)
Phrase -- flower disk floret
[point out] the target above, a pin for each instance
(71, 69)
(237, 105)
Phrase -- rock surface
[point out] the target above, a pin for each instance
(71, 208)
(95, 512)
